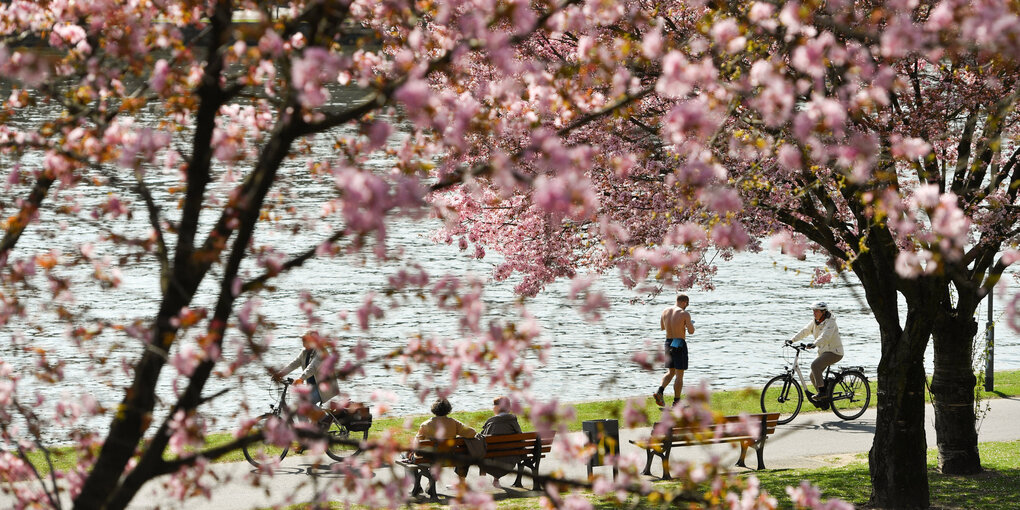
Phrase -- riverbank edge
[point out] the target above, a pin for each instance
(727, 402)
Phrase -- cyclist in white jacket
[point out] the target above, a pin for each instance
(830, 348)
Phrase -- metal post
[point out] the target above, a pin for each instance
(990, 348)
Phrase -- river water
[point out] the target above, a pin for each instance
(758, 301)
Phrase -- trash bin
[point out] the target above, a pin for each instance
(605, 435)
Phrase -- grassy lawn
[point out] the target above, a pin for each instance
(990, 490)
(999, 484)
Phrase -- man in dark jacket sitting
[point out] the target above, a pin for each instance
(501, 423)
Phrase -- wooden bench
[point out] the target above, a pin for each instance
(726, 429)
(528, 446)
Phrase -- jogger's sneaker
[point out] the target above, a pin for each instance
(659, 401)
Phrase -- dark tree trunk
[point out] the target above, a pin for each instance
(897, 461)
(952, 390)
(899, 472)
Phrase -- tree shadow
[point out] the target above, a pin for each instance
(319, 470)
(853, 426)
(283, 471)
(505, 493)
(849, 426)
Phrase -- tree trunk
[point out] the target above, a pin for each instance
(952, 388)
(897, 461)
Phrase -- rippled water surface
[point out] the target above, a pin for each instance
(759, 300)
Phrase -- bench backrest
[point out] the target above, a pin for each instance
(504, 445)
(443, 445)
(525, 443)
(724, 428)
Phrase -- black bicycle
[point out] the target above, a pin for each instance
(343, 425)
(849, 396)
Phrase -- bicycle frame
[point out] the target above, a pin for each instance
(796, 366)
(277, 408)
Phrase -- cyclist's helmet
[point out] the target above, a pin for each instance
(820, 305)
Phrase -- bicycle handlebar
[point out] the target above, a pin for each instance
(801, 346)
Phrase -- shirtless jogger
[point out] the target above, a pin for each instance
(678, 324)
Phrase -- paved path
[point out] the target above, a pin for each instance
(811, 440)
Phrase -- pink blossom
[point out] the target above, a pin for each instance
(568, 194)
(1009, 257)
(687, 234)
(761, 12)
(941, 17)
(790, 16)
(368, 310)
(651, 43)
(789, 243)
(414, 94)
(186, 430)
(910, 148)
(585, 44)
(186, 359)
(726, 33)
(723, 201)
(634, 413)
(65, 34)
(7, 391)
(949, 221)
(674, 81)
(1013, 313)
(826, 112)
(730, 235)
(901, 37)
(911, 264)
(576, 502)
(160, 71)
(810, 57)
(378, 132)
(271, 44)
(247, 316)
(278, 432)
(927, 196)
(820, 277)
(311, 71)
(789, 158)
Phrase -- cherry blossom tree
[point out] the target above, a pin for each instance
(167, 138)
(881, 134)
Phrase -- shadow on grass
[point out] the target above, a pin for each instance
(999, 483)
(509, 499)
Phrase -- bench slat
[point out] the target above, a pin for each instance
(714, 433)
(530, 447)
(513, 452)
(509, 438)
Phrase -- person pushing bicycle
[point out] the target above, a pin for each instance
(830, 348)
(324, 385)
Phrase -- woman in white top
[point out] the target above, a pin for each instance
(830, 348)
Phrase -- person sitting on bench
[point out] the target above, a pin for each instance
(441, 426)
(501, 423)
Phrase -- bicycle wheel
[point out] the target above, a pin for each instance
(851, 395)
(782, 394)
(260, 453)
(341, 451)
